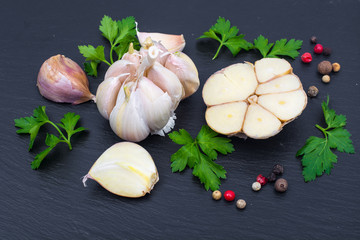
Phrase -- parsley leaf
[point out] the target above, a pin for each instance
(227, 36)
(32, 124)
(202, 162)
(222, 32)
(317, 155)
(119, 33)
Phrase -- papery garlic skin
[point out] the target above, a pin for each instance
(121, 67)
(185, 69)
(62, 80)
(172, 43)
(125, 169)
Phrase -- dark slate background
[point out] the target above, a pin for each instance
(51, 203)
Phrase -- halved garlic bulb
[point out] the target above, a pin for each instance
(253, 101)
(125, 169)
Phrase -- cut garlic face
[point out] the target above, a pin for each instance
(256, 101)
(125, 169)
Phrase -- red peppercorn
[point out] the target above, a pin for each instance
(306, 57)
(318, 49)
(261, 179)
(229, 195)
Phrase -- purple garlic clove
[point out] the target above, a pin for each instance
(60, 79)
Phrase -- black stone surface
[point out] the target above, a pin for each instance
(51, 203)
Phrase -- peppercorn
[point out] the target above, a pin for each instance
(229, 195)
(325, 67)
(326, 78)
(313, 91)
(281, 185)
(241, 204)
(327, 51)
(335, 67)
(261, 179)
(216, 195)
(318, 49)
(272, 177)
(278, 169)
(313, 39)
(256, 186)
(306, 57)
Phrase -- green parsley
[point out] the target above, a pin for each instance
(228, 36)
(317, 155)
(281, 47)
(31, 125)
(199, 154)
(119, 33)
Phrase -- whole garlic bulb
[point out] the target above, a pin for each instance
(146, 91)
(62, 80)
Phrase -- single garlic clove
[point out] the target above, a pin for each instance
(127, 119)
(125, 169)
(172, 43)
(106, 94)
(270, 68)
(156, 105)
(62, 80)
(260, 123)
(185, 69)
(285, 83)
(167, 81)
(132, 55)
(121, 67)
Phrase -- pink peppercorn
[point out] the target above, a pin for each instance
(318, 49)
(229, 195)
(306, 57)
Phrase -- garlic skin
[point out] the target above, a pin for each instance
(121, 67)
(185, 69)
(125, 169)
(172, 43)
(62, 80)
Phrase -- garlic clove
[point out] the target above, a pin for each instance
(172, 43)
(156, 104)
(106, 94)
(285, 106)
(163, 52)
(260, 123)
(62, 80)
(125, 169)
(127, 119)
(285, 83)
(132, 55)
(185, 69)
(119, 68)
(270, 68)
(167, 81)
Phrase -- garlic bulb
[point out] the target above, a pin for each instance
(139, 94)
(253, 101)
(62, 80)
(125, 169)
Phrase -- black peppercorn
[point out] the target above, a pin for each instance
(327, 51)
(313, 39)
(281, 185)
(313, 91)
(278, 169)
(272, 177)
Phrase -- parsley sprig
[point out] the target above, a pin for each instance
(317, 155)
(119, 33)
(31, 125)
(228, 36)
(199, 154)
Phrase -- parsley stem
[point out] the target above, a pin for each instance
(217, 53)
(111, 54)
(321, 129)
(61, 134)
